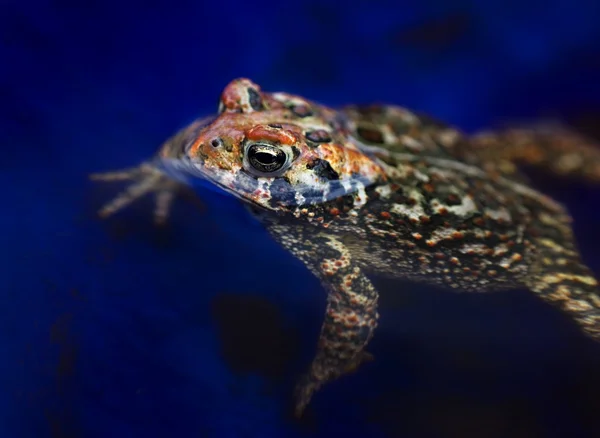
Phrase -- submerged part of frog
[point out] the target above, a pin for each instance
(380, 189)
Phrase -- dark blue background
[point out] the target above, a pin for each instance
(118, 329)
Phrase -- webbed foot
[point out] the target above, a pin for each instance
(145, 178)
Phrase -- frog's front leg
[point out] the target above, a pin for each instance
(156, 175)
(351, 315)
(146, 178)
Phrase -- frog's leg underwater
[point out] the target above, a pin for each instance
(146, 179)
(556, 272)
(558, 275)
(351, 313)
(550, 147)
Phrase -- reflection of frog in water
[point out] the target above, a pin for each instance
(380, 189)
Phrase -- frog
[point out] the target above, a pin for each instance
(380, 190)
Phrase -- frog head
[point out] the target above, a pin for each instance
(276, 150)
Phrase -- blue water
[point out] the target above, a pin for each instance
(118, 329)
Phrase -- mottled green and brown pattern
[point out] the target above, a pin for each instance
(380, 189)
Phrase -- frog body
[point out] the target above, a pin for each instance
(379, 189)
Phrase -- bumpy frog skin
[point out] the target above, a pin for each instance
(380, 189)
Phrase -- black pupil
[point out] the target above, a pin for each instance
(266, 158)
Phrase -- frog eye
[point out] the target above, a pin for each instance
(265, 159)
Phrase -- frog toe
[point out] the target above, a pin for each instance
(117, 175)
(164, 201)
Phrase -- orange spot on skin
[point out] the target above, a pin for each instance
(443, 211)
(478, 221)
(417, 236)
(458, 235)
(274, 135)
(429, 187)
(385, 215)
(334, 211)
